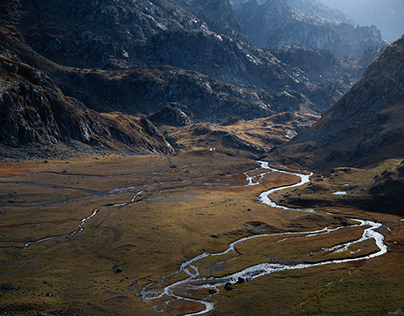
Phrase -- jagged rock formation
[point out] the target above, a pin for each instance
(317, 9)
(274, 23)
(148, 89)
(366, 124)
(116, 34)
(33, 110)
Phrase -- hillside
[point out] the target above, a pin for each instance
(275, 23)
(365, 126)
(139, 57)
(35, 114)
(386, 14)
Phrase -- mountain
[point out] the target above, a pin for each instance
(317, 9)
(116, 39)
(139, 58)
(275, 23)
(34, 114)
(365, 126)
(387, 15)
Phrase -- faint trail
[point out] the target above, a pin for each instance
(195, 281)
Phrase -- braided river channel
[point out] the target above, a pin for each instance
(193, 280)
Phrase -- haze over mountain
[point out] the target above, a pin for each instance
(308, 24)
(387, 15)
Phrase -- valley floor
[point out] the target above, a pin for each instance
(86, 236)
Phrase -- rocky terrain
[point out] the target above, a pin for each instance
(387, 14)
(366, 124)
(275, 23)
(35, 113)
(140, 58)
(154, 161)
(364, 130)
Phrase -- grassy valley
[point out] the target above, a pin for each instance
(182, 206)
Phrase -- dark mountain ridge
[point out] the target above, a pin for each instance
(138, 57)
(34, 111)
(365, 126)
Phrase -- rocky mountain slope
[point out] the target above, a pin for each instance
(34, 112)
(111, 36)
(141, 57)
(217, 14)
(317, 9)
(275, 23)
(386, 14)
(365, 126)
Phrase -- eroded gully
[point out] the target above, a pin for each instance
(196, 281)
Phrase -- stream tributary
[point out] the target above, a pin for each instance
(195, 281)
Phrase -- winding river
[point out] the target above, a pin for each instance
(196, 281)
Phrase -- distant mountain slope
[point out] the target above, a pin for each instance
(217, 14)
(138, 57)
(275, 23)
(366, 125)
(316, 8)
(387, 15)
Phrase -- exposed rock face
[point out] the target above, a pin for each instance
(112, 34)
(145, 55)
(83, 33)
(33, 110)
(274, 23)
(173, 114)
(366, 124)
(148, 89)
(217, 14)
(316, 9)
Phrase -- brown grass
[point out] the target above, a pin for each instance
(172, 222)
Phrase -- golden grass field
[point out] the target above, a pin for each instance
(192, 203)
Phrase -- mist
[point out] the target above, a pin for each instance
(387, 15)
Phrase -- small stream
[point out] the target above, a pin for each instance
(195, 281)
(80, 228)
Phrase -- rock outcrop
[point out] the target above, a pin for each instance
(173, 114)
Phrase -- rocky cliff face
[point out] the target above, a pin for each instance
(89, 33)
(274, 23)
(33, 110)
(148, 89)
(386, 14)
(366, 124)
(317, 9)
